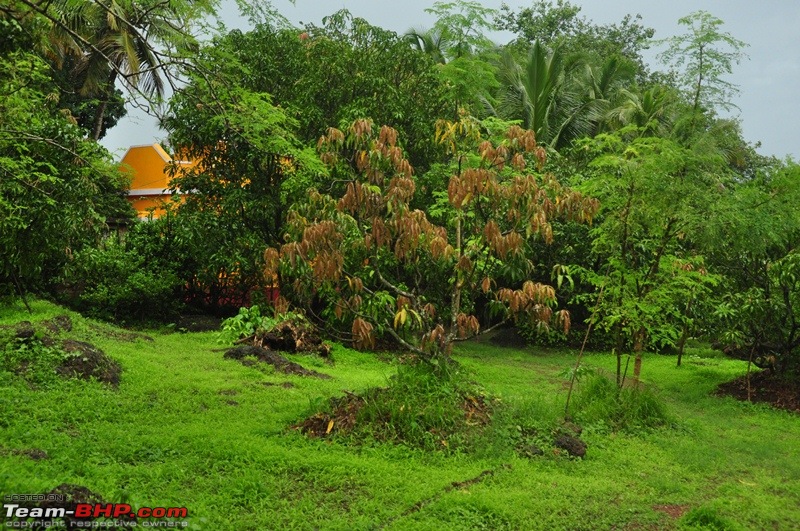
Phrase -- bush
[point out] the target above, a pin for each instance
(425, 406)
(421, 408)
(117, 284)
(599, 402)
(244, 324)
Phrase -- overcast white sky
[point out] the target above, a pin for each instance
(768, 80)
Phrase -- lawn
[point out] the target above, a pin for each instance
(188, 428)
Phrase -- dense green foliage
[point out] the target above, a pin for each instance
(56, 188)
(346, 69)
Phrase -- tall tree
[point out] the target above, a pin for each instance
(561, 25)
(56, 187)
(656, 199)
(702, 58)
(130, 41)
(344, 70)
(247, 168)
(457, 42)
(539, 92)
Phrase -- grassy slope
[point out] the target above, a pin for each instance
(188, 428)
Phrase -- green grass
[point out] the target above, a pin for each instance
(189, 428)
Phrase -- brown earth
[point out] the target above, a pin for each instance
(88, 362)
(675, 511)
(291, 336)
(246, 354)
(765, 387)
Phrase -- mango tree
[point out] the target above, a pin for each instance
(382, 267)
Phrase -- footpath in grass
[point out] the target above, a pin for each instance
(188, 428)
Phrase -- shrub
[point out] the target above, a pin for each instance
(421, 408)
(117, 284)
(244, 324)
(425, 406)
(599, 402)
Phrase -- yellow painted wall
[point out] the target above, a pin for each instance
(147, 166)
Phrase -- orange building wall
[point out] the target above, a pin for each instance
(147, 166)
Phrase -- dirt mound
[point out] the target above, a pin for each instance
(33, 354)
(342, 418)
(344, 410)
(24, 330)
(58, 324)
(85, 361)
(574, 446)
(765, 387)
(35, 454)
(291, 336)
(246, 353)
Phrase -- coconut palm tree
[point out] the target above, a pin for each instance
(430, 42)
(115, 40)
(650, 110)
(541, 92)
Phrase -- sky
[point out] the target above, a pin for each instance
(768, 79)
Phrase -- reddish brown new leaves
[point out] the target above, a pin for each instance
(362, 331)
(372, 239)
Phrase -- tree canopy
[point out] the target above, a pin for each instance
(422, 187)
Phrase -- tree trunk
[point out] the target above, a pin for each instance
(638, 347)
(456, 303)
(685, 334)
(618, 352)
(682, 343)
(100, 113)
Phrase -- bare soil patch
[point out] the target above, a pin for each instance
(765, 387)
(342, 417)
(674, 511)
(246, 354)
